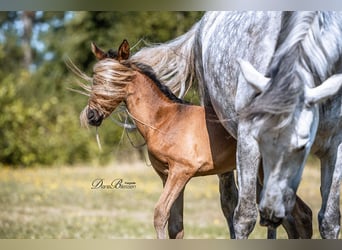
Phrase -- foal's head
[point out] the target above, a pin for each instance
(109, 83)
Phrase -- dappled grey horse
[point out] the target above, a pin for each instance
(303, 51)
(295, 109)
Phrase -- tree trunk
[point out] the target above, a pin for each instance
(28, 20)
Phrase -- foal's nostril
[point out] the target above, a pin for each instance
(90, 114)
(94, 118)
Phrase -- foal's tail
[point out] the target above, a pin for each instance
(172, 61)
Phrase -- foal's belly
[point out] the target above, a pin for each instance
(223, 163)
(203, 164)
(216, 157)
(204, 148)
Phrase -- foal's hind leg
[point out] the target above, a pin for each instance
(229, 198)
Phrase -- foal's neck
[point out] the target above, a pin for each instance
(148, 105)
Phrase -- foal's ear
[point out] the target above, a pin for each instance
(123, 51)
(99, 54)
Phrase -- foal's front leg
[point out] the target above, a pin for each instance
(174, 187)
(175, 222)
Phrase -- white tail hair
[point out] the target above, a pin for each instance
(172, 61)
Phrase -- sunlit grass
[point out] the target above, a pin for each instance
(59, 203)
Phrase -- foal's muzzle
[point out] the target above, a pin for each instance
(94, 117)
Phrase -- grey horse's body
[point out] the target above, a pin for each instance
(221, 38)
(215, 49)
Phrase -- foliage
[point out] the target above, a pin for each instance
(38, 132)
(39, 115)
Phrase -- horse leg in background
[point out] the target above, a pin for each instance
(228, 198)
(329, 215)
(302, 216)
(298, 225)
(174, 186)
(175, 222)
(248, 158)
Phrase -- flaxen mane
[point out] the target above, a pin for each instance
(148, 71)
(107, 86)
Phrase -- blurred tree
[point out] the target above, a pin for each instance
(34, 126)
(27, 19)
(10, 54)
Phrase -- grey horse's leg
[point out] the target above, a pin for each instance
(248, 158)
(229, 198)
(329, 215)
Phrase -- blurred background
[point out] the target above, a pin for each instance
(39, 115)
(48, 162)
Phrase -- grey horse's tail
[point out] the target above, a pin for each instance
(172, 61)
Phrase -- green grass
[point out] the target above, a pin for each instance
(59, 203)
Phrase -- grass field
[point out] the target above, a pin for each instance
(60, 203)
